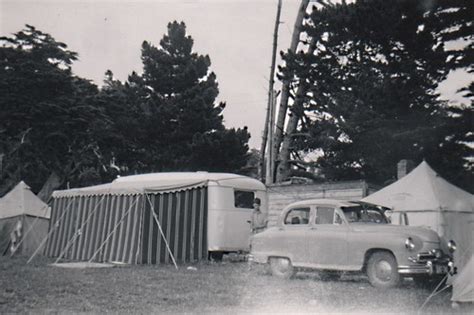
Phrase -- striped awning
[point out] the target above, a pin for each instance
(151, 228)
(131, 188)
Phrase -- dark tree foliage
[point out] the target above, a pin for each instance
(176, 125)
(48, 122)
(370, 89)
(59, 130)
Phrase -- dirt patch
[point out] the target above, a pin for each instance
(231, 287)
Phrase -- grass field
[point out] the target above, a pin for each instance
(228, 287)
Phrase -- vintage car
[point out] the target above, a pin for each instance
(333, 236)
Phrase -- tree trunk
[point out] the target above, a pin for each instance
(52, 183)
(283, 169)
(263, 148)
(285, 91)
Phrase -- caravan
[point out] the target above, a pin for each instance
(155, 218)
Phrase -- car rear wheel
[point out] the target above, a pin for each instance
(382, 270)
(281, 267)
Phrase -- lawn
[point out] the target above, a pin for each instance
(230, 287)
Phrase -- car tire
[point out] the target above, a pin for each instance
(281, 267)
(330, 275)
(382, 270)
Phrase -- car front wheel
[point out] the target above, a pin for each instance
(281, 267)
(382, 270)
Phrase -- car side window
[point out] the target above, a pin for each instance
(324, 215)
(297, 216)
(337, 218)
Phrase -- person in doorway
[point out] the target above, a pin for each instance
(259, 219)
(15, 237)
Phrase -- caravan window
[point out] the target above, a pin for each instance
(243, 199)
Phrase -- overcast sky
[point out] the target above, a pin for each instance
(107, 34)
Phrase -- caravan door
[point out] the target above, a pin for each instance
(230, 211)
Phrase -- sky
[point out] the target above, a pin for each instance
(236, 34)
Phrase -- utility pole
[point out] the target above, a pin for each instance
(269, 121)
(271, 143)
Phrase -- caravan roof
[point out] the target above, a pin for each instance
(163, 182)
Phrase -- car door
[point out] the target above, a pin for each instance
(294, 234)
(327, 239)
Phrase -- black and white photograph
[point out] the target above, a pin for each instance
(236, 156)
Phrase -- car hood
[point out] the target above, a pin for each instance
(424, 233)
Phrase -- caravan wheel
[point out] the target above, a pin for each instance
(216, 256)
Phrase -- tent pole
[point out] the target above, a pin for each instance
(56, 224)
(161, 232)
(435, 292)
(113, 231)
(140, 240)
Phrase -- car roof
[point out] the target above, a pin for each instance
(328, 202)
(333, 202)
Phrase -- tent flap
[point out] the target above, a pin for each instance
(463, 284)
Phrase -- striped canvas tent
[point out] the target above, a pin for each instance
(131, 220)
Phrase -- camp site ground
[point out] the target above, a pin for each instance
(226, 287)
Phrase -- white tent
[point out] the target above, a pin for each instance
(463, 283)
(23, 211)
(429, 200)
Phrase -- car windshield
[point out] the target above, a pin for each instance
(361, 214)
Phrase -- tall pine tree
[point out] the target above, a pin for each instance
(179, 123)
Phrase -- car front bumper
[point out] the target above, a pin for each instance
(429, 264)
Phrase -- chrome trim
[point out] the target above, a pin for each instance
(452, 246)
(409, 244)
(422, 269)
(425, 265)
(250, 258)
(433, 255)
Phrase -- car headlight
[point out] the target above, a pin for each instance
(452, 246)
(409, 244)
